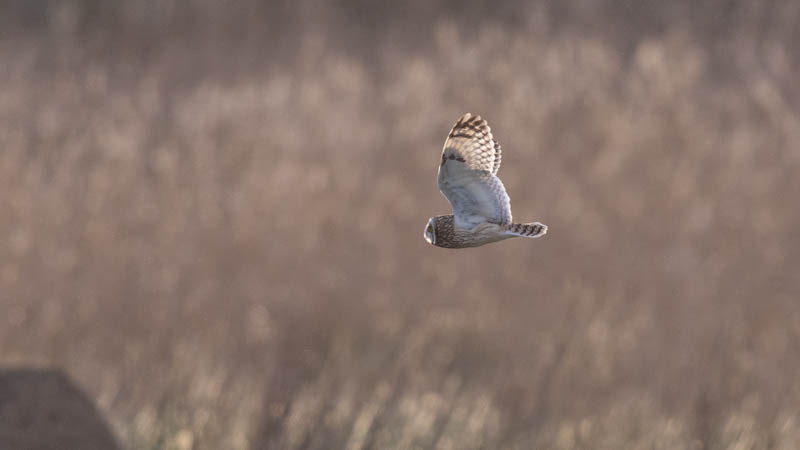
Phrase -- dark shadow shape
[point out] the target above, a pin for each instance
(43, 409)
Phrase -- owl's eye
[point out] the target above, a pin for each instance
(430, 233)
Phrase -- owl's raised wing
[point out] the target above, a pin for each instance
(467, 174)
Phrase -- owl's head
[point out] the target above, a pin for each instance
(430, 231)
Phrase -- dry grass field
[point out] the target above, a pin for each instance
(212, 218)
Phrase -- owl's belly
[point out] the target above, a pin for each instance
(485, 233)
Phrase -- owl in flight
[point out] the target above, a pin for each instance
(468, 179)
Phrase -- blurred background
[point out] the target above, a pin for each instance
(212, 217)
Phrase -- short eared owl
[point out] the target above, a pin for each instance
(468, 179)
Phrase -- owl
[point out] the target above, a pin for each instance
(468, 179)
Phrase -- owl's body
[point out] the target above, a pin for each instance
(468, 179)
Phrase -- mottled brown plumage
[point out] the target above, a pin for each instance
(448, 236)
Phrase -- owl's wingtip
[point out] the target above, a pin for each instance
(471, 119)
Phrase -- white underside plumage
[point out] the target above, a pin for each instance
(476, 196)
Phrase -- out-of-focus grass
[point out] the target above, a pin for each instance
(212, 219)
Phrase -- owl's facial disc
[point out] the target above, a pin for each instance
(430, 232)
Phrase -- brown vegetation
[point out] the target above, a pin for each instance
(212, 218)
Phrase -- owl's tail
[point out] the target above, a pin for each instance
(530, 230)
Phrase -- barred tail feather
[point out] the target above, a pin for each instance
(531, 230)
